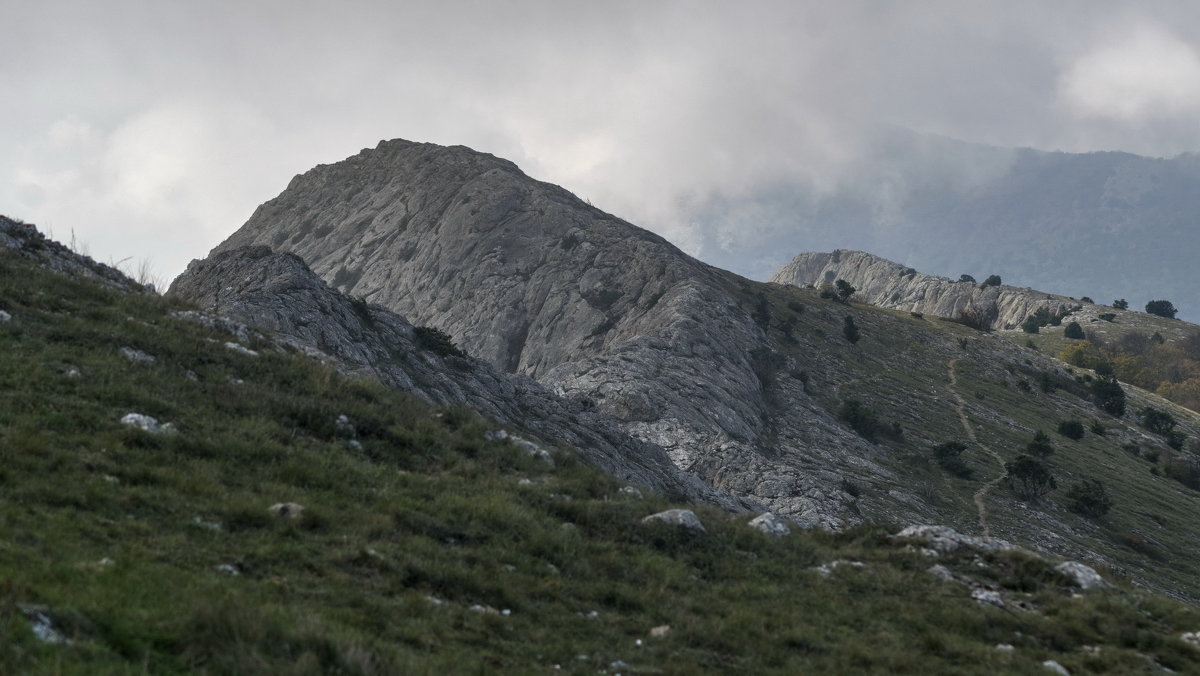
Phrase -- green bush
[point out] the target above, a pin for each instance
(1073, 331)
(1071, 429)
(1121, 304)
(866, 422)
(992, 280)
(1107, 316)
(1183, 470)
(850, 329)
(1029, 477)
(948, 458)
(437, 342)
(1040, 446)
(1158, 422)
(1108, 395)
(1089, 498)
(1162, 308)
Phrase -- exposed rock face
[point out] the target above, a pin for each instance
(278, 293)
(886, 284)
(529, 278)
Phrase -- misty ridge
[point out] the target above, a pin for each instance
(1106, 225)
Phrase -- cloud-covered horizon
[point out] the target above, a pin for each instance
(152, 130)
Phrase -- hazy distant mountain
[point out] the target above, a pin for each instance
(1105, 225)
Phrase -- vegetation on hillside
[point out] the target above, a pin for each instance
(416, 542)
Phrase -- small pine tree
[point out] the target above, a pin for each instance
(1162, 308)
(1071, 429)
(850, 329)
(993, 280)
(844, 290)
(1121, 304)
(1108, 395)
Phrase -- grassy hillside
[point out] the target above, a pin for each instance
(425, 548)
(931, 379)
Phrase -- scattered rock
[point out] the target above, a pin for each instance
(945, 539)
(684, 518)
(589, 614)
(241, 349)
(4, 316)
(229, 568)
(1085, 577)
(343, 427)
(487, 610)
(941, 572)
(355, 445)
(1005, 647)
(42, 625)
(236, 381)
(498, 435)
(524, 482)
(630, 491)
(1191, 638)
(434, 600)
(136, 356)
(660, 631)
(532, 449)
(206, 525)
(287, 510)
(1057, 668)
(827, 569)
(770, 524)
(146, 423)
(191, 375)
(72, 372)
(987, 596)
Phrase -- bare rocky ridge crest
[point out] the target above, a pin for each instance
(884, 283)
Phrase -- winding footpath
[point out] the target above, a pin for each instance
(961, 406)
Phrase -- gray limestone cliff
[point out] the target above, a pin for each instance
(278, 294)
(883, 283)
(529, 278)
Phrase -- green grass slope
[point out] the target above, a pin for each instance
(932, 379)
(425, 548)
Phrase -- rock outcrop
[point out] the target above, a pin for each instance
(529, 278)
(278, 294)
(886, 284)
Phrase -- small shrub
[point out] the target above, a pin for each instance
(966, 278)
(917, 315)
(1071, 429)
(992, 280)
(844, 290)
(1107, 316)
(849, 329)
(1087, 299)
(1183, 470)
(1121, 304)
(948, 458)
(1029, 477)
(1158, 422)
(796, 307)
(1040, 446)
(1089, 498)
(863, 420)
(1073, 331)
(1024, 385)
(1097, 428)
(437, 342)
(1162, 308)
(1108, 395)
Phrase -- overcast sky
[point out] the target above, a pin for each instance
(151, 130)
